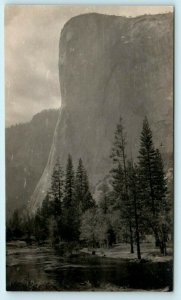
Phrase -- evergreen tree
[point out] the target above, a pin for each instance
(152, 182)
(162, 202)
(69, 184)
(57, 188)
(133, 180)
(48, 221)
(118, 186)
(88, 201)
(79, 185)
(104, 201)
(83, 195)
(56, 195)
(147, 157)
(120, 176)
(160, 186)
(71, 221)
(47, 209)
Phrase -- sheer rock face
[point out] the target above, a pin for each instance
(27, 150)
(109, 67)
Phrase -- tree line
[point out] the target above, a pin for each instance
(59, 217)
(140, 189)
(133, 201)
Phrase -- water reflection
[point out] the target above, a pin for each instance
(44, 264)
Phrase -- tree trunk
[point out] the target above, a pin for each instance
(136, 218)
(138, 249)
(157, 240)
(131, 238)
(137, 239)
(163, 248)
(156, 243)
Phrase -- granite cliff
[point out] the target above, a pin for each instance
(111, 66)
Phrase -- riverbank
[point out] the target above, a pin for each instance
(43, 268)
(118, 251)
(122, 251)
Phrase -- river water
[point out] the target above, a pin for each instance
(42, 265)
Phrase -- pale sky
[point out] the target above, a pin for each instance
(32, 35)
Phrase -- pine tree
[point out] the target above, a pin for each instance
(104, 202)
(152, 182)
(160, 186)
(47, 209)
(83, 195)
(56, 197)
(69, 183)
(70, 205)
(57, 188)
(147, 157)
(133, 180)
(118, 185)
(79, 189)
(88, 201)
(120, 172)
(161, 201)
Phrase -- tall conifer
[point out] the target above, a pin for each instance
(152, 183)
(119, 161)
(70, 205)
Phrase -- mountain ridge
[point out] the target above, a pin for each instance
(27, 149)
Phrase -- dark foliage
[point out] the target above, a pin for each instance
(133, 202)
